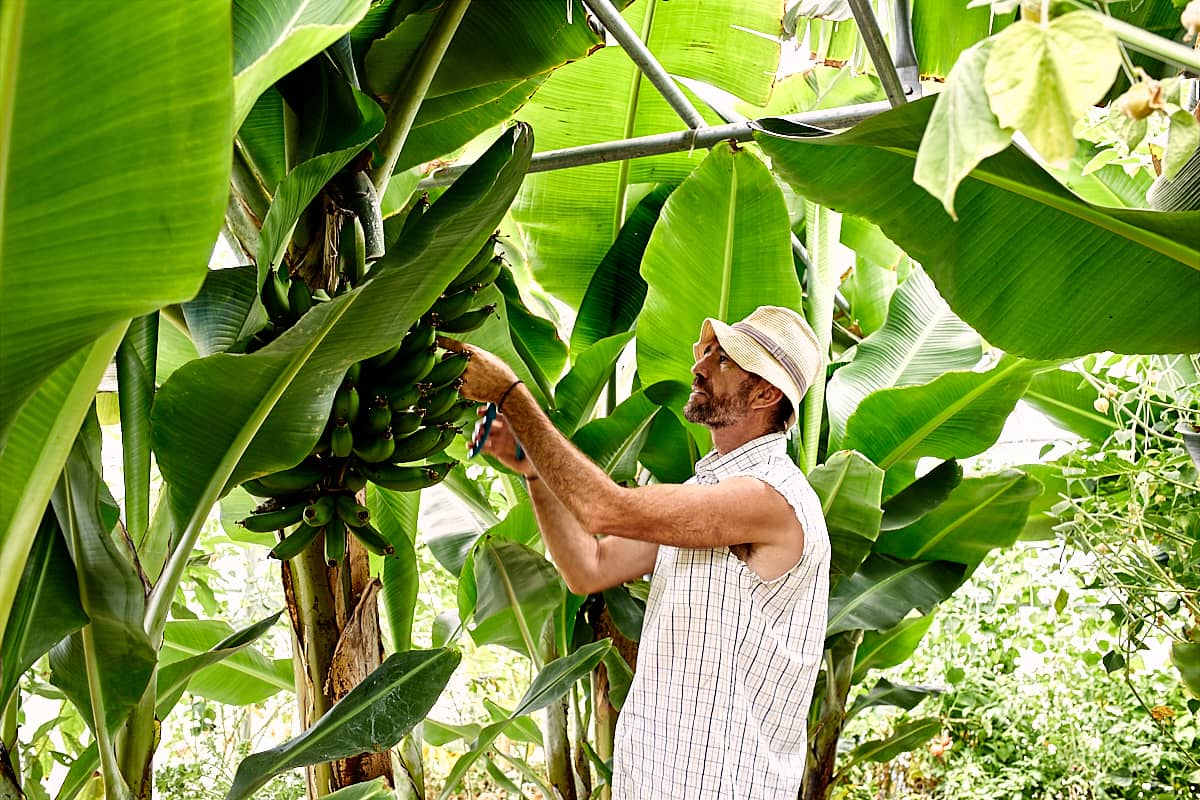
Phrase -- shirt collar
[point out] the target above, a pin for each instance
(771, 444)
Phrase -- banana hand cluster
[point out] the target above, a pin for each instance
(390, 415)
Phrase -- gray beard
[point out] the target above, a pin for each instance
(719, 412)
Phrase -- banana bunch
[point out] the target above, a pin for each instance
(390, 415)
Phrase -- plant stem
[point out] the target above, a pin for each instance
(824, 229)
(409, 96)
(1148, 43)
(8, 735)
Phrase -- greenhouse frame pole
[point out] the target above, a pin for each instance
(872, 36)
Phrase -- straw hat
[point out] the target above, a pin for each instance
(773, 342)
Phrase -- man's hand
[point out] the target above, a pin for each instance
(502, 445)
(487, 377)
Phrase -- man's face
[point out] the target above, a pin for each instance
(720, 389)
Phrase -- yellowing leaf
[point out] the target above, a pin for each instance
(962, 129)
(1042, 78)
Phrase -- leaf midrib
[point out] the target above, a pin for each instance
(1082, 413)
(875, 589)
(976, 508)
(936, 421)
(11, 29)
(227, 661)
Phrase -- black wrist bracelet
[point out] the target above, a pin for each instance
(511, 386)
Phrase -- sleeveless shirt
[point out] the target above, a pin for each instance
(726, 664)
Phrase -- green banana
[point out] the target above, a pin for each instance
(294, 479)
(420, 337)
(353, 373)
(274, 296)
(351, 512)
(320, 511)
(352, 250)
(459, 411)
(489, 274)
(419, 445)
(353, 480)
(375, 449)
(256, 488)
(300, 298)
(414, 368)
(267, 521)
(373, 540)
(468, 321)
(405, 422)
(478, 263)
(378, 416)
(345, 403)
(414, 217)
(440, 401)
(409, 479)
(449, 368)
(335, 542)
(452, 306)
(403, 397)
(341, 441)
(294, 543)
(382, 359)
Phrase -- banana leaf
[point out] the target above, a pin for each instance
(850, 488)
(47, 607)
(570, 218)
(617, 290)
(374, 716)
(920, 340)
(535, 338)
(921, 496)
(395, 515)
(669, 452)
(500, 335)
(106, 171)
(225, 312)
(1040, 524)
(980, 514)
(886, 693)
(1094, 270)
(942, 29)
(956, 415)
(579, 390)
(615, 441)
(884, 589)
(890, 648)
(720, 249)
(907, 736)
(551, 683)
(273, 37)
(517, 593)
(1069, 401)
(243, 678)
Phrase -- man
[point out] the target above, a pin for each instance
(736, 616)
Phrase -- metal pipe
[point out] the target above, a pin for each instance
(868, 27)
(645, 61)
(905, 57)
(661, 143)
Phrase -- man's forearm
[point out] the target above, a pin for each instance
(573, 549)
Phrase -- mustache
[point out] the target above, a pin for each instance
(700, 385)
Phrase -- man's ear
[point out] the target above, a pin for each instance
(765, 395)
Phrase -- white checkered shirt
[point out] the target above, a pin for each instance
(726, 665)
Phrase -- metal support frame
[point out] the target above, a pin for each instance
(905, 57)
(660, 143)
(645, 61)
(868, 27)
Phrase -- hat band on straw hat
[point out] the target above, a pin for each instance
(782, 356)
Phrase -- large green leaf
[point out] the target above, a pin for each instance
(957, 415)
(497, 337)
(850, 488)
(1069, 402)
(921, 496)
(1042, 519)
(886, 693)
(578, 392)
(374, 716)
(47, 606)
(395, 515)
(517, 593)
(551, 683)
(617, 290)
(570, 218)
(669, 452)
(32, 458)
(225, 418)
(137, 361)
(241, 679)
(720, 249)
(615, 441)
(920, 340)
(273, 37)
(105, 668)
(907, 736)
(980, 514)
(942, 29)
(1094, 270)
(883, 649)
(885, 589)
(1186, 658)
(105, 171)
(225, 312)
(534, 337)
